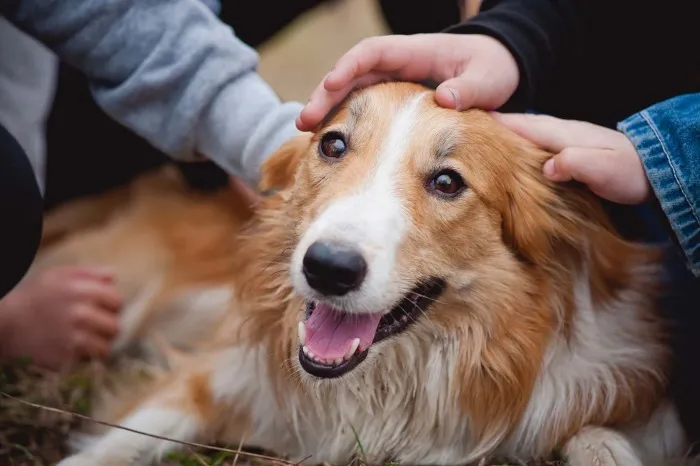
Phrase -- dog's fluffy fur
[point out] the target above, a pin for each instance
(545, 337)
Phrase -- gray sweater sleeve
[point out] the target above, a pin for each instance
(170, 71)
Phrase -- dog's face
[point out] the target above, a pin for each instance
(410, 214)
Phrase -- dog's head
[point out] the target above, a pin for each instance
(415, 223)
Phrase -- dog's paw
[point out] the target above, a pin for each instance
(594, 446)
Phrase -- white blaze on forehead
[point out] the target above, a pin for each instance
(372, 218)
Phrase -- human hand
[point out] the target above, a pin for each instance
(474, 71)
(60, 315)
(603, 159)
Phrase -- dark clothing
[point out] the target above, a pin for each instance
(20, 213)
(595, 60)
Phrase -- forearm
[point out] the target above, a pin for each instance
(539, 33)
(170, 71)
(667, 138)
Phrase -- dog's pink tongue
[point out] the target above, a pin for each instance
(329, 333)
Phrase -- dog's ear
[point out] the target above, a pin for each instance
(278, 171)
(535, 214)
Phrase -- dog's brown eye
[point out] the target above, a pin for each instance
(447, 183)
(332, 145)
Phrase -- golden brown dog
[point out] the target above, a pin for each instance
(416, 280)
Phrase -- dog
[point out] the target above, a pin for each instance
(412, 289)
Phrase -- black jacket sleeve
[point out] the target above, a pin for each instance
(537, 32)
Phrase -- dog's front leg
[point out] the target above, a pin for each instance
(120, 447)
(212, 395)
(598, 446)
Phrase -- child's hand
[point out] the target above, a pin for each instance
(60, 315)
(474, 71)
(603, 159)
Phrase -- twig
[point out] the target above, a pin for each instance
(197, 457)
(240, 445)
(115, 426)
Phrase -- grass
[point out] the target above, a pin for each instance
(32, 436)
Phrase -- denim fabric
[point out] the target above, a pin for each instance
(667, 138)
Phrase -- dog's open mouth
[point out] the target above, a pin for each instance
(332, 343)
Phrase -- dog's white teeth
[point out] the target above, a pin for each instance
(328, 361)
(353, 347)
(302, 333)
(404, 318)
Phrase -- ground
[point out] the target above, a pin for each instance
(293, 63)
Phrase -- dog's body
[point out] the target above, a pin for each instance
(531, 325)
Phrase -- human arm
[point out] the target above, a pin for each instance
(655, 154)
(170, 71)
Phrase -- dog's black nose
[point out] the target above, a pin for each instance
(333, 269)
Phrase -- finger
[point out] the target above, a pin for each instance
(97, 320)
(103, 273)
(322, 101)
(604, 172)
(98, 292)
(555, 134)
(377, 54)
(592, 167)
(545, 131)
(90, 345)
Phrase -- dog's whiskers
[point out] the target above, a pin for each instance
(433, 300)
(426, 317)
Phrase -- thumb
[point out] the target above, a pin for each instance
(460, 93)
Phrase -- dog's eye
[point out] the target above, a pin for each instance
(447, 183)
(332, 145)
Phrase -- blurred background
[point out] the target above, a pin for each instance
(295, 60)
